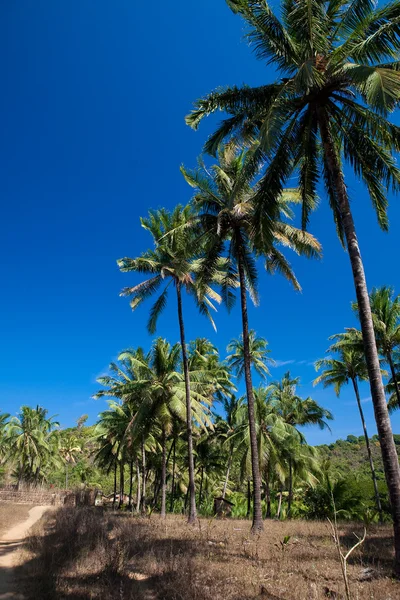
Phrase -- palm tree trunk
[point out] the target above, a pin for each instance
(258, 524)
(138, 490)
(248, 499)
(115, 483)
(130, 485)
(163, 475)
(143, 501)
(171, 506)
(192, 508)
(290, 493)
(267, 493)
(201, 486)
(371, 462)
(227, 472)
(394, 377)
(121, 484)
(388, 448)
(278, 512)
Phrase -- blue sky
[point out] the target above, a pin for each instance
(92, 109)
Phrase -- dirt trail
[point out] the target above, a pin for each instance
(11, 542)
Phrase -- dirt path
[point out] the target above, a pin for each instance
(11, 542)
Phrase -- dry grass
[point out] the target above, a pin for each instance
(84, 554)
(11, 514)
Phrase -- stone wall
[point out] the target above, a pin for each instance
(37, 497)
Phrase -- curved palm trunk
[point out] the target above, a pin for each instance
(278, 512)
(192, 507)
(394, 377)
(257, 513)
(248, 499)
(389, 454)
(228, 470)
(171, 506)
(290, 491)
(371, 462)
(163, 474)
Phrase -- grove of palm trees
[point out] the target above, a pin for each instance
(200, 441)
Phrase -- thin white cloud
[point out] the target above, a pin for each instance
(282, 363)
(366, 400)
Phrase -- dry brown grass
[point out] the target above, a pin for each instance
(11, 514)
(84, 554)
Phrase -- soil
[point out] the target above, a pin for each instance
(15, 522)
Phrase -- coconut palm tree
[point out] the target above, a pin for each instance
(32, 443)
(348, 365)
(226, 429)
(258, 349)
(162, 388)
(385, 307)
(338, 78)
(172, 262)
(224, 205)
(69, 449)
(295, 411)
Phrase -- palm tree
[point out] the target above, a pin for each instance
(223, 203)
(338, 78)
(32, 442)
(385, 309)
(226, 429)
(295, 411)
(69, 449)
(349, 365)
(162, 388)
(258, 348)
(172, 261)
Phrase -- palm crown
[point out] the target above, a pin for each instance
(173, 260)
(258, 354)
(339, 70)
(225, 209)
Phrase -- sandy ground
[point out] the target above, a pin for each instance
(11, 543)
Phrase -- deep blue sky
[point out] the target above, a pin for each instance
(92, 109)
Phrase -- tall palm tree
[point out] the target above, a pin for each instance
(225, 209)
(295, 411)
(338, 78)
(172, 261)
(349, 365)
(258, 348)
(385, 308)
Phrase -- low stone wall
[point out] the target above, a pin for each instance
(37, 497)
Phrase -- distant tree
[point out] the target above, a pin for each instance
(348, 365)
(32, 444)
(172, 261)
(295, 411)
(258, 350)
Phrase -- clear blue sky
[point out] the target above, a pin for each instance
(92, 109)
